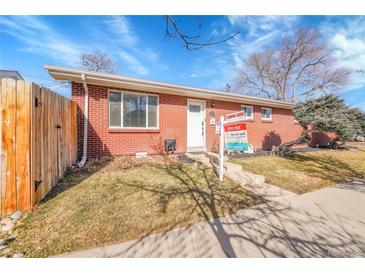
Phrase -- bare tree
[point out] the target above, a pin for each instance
(98, 61)
(191, 42)
(300, 68)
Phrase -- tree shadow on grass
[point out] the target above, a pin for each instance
(267, 230)
(327, 167)
(74, 176)
(204, 196)
(356, 147)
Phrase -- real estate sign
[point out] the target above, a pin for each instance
(235, 117)
(235, 137)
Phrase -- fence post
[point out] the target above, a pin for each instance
(221, 150)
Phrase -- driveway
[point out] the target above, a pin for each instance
(326, 223)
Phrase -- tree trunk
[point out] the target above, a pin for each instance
(285, 149)
(336, 143)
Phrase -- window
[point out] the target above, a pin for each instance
(133, 110)
(266, 113)
(115, 107)
(152, 111)
(248, 110)
(194, 108)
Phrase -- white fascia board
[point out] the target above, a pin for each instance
(116, 81)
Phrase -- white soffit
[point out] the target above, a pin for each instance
(117, 81)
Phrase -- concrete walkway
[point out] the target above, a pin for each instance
(326, 223)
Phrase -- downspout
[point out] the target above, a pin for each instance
(86, 122)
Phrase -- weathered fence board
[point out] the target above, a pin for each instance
(8, 110)
(38, 142)
(22, 147)
(35, 143)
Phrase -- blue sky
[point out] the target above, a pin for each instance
(138, 46)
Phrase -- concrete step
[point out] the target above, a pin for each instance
(214, 159)
(252, 182)
(198, 157)
(256, 184)
(232, 167)
(214, 155)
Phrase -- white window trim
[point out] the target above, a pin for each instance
(251, 107)
(122, 92)
(266, 119)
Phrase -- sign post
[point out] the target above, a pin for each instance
(233, 137)
(221, 149)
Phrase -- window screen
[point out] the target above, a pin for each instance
(115, 107)
(130, 110)
(266, 113)
(134, 110)
(248, 111)
(152, 111)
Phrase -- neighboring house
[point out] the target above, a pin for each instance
(128, 115)
(13, 74)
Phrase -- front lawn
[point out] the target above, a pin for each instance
(308, 171)
(112, 201)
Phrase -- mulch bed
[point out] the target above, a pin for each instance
(108, 164)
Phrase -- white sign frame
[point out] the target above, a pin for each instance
(240, 116)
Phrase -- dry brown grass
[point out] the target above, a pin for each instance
(110, 201)
(308, 171)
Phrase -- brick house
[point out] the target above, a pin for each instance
(126, 115)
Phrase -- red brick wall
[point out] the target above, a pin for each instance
(104, 141)
(261, 134)
(173, 125)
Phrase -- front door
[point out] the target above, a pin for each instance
(196, 124)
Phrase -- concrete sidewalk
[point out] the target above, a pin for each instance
(326, 223)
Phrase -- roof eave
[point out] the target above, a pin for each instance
(114, 81)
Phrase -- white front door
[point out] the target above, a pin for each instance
(196, 124)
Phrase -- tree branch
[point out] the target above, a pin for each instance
(190, 41)
(300, 67)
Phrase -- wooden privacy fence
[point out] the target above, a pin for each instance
(38, 142)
